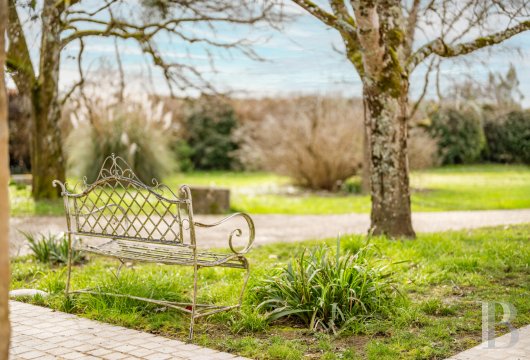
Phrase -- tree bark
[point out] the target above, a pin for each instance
(5, 329)
(389, 180)
(47, 159)
(385, 95)
(365, 175)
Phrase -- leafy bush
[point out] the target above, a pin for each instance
(459, 134)
(508, 138)
(138, 131)
(326, 292)
(52, 248)
(210, 123)
(183, 153)
(317, 141)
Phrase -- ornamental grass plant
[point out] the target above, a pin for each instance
(326, 290)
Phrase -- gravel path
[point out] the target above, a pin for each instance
(284, 228)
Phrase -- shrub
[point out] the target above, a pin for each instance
(183, 153)
(326, 292)
(508, 138)
(52, 249)
(210, 123)
(317, 141)
(138, 131)
(422, 150)
(459, 134)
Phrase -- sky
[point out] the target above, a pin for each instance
(302, 57)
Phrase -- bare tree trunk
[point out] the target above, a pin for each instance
(47, 160)
(387, 134)
(5, 329)
(365, 176)
(385, 92)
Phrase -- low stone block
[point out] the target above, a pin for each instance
(23, 179)
(26, 293)
(210, 200)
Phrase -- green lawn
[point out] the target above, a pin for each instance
(479, 187)
(443, 278)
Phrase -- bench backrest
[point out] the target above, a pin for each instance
(118, 205)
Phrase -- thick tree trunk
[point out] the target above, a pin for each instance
(47, 160)
(387, 134)
(385, 92)
(365, 175)
(4, 197)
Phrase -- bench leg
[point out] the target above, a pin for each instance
(69, 271)
(118, 272)
(194, 301)
(245, 282)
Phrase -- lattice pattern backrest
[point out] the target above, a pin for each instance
(118, 204)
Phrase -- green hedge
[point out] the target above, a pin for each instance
(459, 134)
(508, 138)
(210, 124)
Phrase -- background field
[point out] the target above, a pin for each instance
(469, 187)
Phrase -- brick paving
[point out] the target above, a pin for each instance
(41, 334)
(501, 349)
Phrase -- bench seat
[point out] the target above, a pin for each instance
(174, 254)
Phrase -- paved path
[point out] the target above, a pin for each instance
(501, 349)
(286, 228)
(41, 334)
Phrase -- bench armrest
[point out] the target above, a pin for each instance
(236, 232)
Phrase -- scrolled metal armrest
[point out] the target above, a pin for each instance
(63, 186)
(236, 232)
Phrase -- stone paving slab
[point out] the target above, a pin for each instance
(501, 349)
(40, 333)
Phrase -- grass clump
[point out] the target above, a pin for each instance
(327, 292)
(51, 248)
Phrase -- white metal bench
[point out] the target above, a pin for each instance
(146, 223)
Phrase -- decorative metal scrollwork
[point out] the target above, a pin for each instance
(118, 203)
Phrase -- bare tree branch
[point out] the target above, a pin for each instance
(440, 48)
(92, 13)
(426, 81)
(327, 18)
(350, 38)
(178, 19)
(120, 70)
(412, 22)
(341, 12)
(81, 81)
